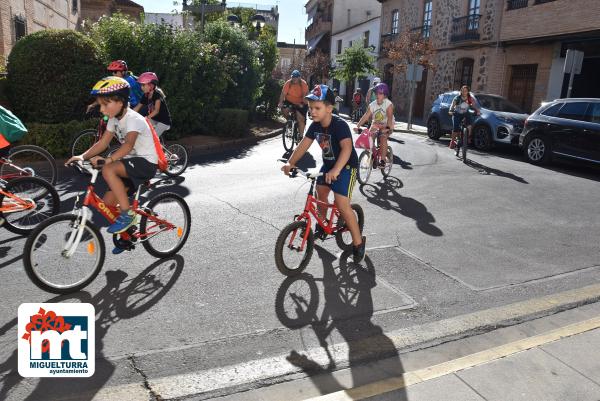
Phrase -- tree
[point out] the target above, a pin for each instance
(410, 48)
(355, 62)
(317, 65)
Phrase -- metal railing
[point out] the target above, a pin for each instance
(425, 30)
(514, 4)
(465, 28)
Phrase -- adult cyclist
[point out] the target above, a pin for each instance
(294, 92)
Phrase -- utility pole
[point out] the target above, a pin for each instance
(204, 8)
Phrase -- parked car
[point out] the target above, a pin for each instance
(568, 128)
(500, 122)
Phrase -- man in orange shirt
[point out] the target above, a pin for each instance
(293, 94)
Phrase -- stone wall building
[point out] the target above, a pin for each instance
(318, 30)
(94, 9)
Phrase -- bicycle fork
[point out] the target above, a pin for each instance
(82, 216)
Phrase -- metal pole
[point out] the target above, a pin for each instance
(412, 96)
(202, 19)
(571, 77)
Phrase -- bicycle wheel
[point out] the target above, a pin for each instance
(83, 141)
(365, 166)
(36, 162)
(343, 238)
(288, 258)
(389, 162)
(161, 241)
(46, 263)
(177, 157)
(288, 136)
(465, 144)
(38, 193)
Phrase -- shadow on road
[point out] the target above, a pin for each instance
(483, 169)
(5, 249)
(385, 195)
(348, 309)
(119, 299)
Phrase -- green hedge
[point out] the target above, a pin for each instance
(56, 138)
(50, 75)
(230, 123)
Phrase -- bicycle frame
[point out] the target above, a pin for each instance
(22, 172)
(16, 205)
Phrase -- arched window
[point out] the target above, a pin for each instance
(388, 77)
(463, 74)
(395, 22)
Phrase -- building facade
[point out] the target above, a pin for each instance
(318, 30)
(94, 9)
(21, 17)
(354, 21)
(291, 56)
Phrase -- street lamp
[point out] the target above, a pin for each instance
(234, 20)
(258, 21)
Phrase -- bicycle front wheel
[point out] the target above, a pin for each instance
(49, 266)
(289, 258)
(29, 161)
(289, 136)
(29, 201)
(159, 239)
(365, 166)
(177, 158)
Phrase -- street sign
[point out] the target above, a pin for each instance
(573, 62)
(414, 74)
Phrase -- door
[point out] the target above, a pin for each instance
(567, 130)
(591, 133)
(419, 105)
(522, 85)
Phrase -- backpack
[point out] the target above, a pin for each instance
(11, 127)
(162, 159)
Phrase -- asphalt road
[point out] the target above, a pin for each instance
(443, 238)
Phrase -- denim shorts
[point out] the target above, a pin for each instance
(457, 118)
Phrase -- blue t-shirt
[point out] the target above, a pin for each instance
(329, 140)
(135, 90)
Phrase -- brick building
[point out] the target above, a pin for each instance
(514, 48)
(94, 9)
(291, 56)
(20, 17)
(318, 31)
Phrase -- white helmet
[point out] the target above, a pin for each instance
(376, 80)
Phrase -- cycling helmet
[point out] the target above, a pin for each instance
(112, 86)
(376, 80)
(382, 88)
(295, 74)
(117, 65)
(148, 78)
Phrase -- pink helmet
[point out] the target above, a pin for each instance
(148, 78)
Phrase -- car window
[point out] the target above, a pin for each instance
(508, 107)
(573, 111)
(552, 110)
(486, 102)
(594, 113)
(448, 99)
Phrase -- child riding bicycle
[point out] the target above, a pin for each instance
(340, 161)
(463, 103)
(134, 163)
(381, 111)
(155, 103)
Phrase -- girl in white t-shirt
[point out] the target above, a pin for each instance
(136, 159)
(381, 114)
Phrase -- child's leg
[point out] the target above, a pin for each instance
(383, 145)
(343, 205)
(323, 196)
(112, 174)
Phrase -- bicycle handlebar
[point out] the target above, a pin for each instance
(86, 166)
(294, 171)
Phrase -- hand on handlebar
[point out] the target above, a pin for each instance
(74, 159)
(287, 169)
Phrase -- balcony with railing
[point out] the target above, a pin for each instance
(424, 30)
(515, 4)
(465, 28)
(321, 24)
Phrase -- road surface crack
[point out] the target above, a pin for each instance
(153, 395)
(240, 211)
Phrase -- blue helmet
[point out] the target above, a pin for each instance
(295, 74)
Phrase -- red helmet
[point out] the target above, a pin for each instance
(148, 78)
(117, 65)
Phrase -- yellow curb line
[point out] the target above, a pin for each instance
(455, 365)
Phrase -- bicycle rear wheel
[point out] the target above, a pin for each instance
(288, 136)
(343, 237)
(288, 257)
(389, 162)
(365, 166)
(46, 263)
(39, 194)
(36, 162)
(162, 241)
(177, 158)
(465, 144)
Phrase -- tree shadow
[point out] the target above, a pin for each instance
(118, 299)
(348, 309)
(385, 196)
(483, 169)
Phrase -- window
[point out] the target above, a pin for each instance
(573, 111)
(366, 40)
(75, 6)
(594, 113)
(508, 107)
(339, 46)
(474, 8)
(427, 18)
(463, 74)
(552, 110)
(487, 102)
(20, 27)
(395, 21)
(448, 99)
(350, 43)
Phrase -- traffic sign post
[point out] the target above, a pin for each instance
(414, 74)
(573, 63)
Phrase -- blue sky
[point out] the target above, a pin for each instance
(292, 16)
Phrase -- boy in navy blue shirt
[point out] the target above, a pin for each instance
(340, 161)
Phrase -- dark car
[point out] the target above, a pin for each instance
(500, 122)
(568, 128)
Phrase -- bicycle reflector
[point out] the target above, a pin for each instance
(179, 232)
(91, 248)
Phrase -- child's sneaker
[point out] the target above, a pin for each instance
(123, 222)
(118, 250)
(358, 252)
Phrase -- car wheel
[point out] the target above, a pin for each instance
(433, 128)
(537, 149)
(482, 138)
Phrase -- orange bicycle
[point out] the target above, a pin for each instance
(26, 202)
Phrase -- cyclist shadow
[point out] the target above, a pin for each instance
(118, 299)
(483, 169)
(385, 196)
(306, 162)
(348, 309)
(404, 164)
(5, 252)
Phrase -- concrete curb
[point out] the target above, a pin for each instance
(231, 144)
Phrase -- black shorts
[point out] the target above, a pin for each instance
(303, 109)
(138, 169)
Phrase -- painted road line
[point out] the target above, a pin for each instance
(456, 365)
(275, 369)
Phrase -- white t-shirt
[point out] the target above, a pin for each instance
(144, 143)
(379, 111)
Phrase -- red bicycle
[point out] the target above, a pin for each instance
(28, 161)
(66, 252)
(294, 246)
